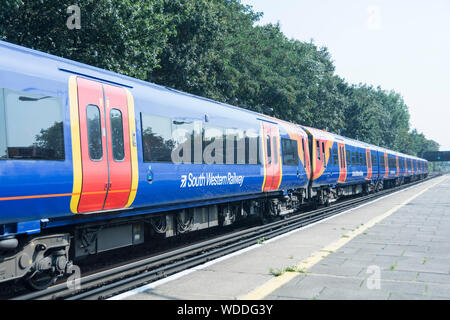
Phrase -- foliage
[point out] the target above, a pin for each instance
(214, 49)
(124, 36)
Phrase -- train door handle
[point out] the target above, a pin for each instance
(134, 139)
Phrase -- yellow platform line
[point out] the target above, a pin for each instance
(275, 283)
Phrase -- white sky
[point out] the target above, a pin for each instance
(400, 45)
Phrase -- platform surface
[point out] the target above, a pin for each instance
(397, 247)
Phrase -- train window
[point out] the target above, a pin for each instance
(3, 146)
(323, 154)
(290, 152)
(304, 152)
(342, 157)
(117, 142)
(349, 158)
(185, 135)
(275, 150)
(318, 149)
(157, 142)
(353, 158)
(391, 162)
(252, 149)
(213, 145)
(31, 126)
(240, 147)
(269, 150)
(231, 147)
(235, 146)
(335, 156)
(382, 161)
(94, 132)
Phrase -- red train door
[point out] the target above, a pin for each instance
(342, 163)
(369, 164)
(94, 157)
(386, 165)
(272, 162)
(406, 166)
(105, 146)
(398, 166)
(116, 117)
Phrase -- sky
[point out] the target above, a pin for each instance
(399, 45)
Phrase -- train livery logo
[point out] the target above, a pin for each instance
(210, 179)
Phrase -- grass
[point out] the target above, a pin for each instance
(278, 272)
(261, 240)
(291, 269)
(393, 266)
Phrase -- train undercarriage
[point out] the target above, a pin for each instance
(40, 260)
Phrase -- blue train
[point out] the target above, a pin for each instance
(91, 161)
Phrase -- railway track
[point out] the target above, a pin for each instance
(108, 283)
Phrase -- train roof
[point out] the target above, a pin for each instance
(81, 69)
(321, 134)
(325, 135)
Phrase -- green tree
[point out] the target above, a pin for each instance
(124, 36)
(212, 48)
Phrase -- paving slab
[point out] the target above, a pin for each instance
(408, 256)
(407, 250)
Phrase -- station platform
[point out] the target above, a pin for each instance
(396, 247)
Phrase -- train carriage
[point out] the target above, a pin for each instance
(341, 166)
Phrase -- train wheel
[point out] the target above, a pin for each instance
(41, 280)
